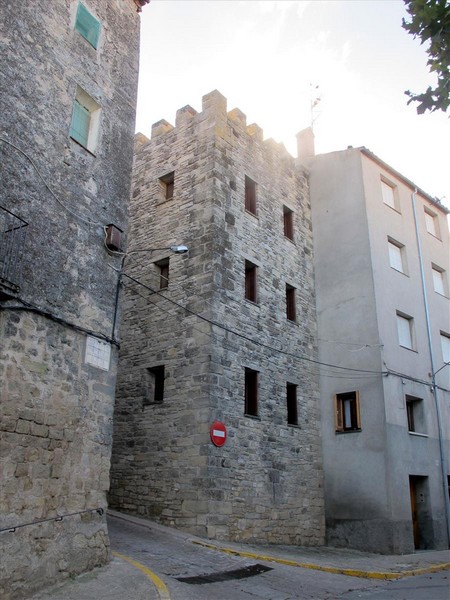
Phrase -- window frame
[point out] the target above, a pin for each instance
(288, 223)
(402, 318)
(167, 183)
(432, 223)
(250, 195)
(88, 139)
(291, 403)
(439, 275)
(251, 383)
(415, 415)
(88, 26)
(393, 194)
(401, 255)
(251, 282)
(445, 347)
(341, 412)
(163, 272)
(291, 307)
(155, 380)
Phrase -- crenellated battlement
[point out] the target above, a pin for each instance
(214, 109)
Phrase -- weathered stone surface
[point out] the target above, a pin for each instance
(265, 483)
(56, 410)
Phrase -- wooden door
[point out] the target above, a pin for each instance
(415, 520)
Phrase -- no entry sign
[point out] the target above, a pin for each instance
(218, 433)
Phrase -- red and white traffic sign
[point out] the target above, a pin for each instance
(218, 433)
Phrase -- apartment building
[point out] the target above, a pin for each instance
(216, 427)
(381, 258)
(67, 107)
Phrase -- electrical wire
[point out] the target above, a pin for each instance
(35, 309)
(41, 177)
(246, 337)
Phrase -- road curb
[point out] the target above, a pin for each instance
(336, 570)
(159, 584)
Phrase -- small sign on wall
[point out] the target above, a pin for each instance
(218, 433)
(98, 353)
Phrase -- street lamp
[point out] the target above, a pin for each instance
(176, 249)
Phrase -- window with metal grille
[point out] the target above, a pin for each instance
(347, 413)
(291, 399)
(87, 25)
(250, 195)
(250, 281)
(251, 392)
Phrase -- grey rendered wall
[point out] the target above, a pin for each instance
(266, 482)
(356, 500)
(410, 453)
(56, 410)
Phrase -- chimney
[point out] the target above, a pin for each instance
(305, 143)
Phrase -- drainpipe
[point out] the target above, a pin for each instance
(433, 373)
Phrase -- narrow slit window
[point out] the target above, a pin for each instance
(290, 303)
(250, 195)
(347, 412)
(288, 223)
(250, 281)
(251, 392)
(291, 399)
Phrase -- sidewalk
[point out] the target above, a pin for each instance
(116, 580)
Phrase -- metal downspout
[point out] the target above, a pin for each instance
(433, 374)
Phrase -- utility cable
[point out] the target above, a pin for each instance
(246, 337)
(41, 177)
(44, 313)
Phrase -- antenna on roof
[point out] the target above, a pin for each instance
(315, 98)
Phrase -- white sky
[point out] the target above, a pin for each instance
(263, 56)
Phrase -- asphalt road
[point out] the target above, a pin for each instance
(193, 572)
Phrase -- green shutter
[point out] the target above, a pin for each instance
(87, 25)
(79, 128)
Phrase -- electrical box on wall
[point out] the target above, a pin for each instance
(113, 238)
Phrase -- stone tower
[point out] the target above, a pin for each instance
(225, 332)
(67, 109)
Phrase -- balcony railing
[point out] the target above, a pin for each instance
(12, 240)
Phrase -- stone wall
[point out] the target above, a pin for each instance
(265, 483)
(56, 409)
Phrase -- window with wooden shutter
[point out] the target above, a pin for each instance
(163, 268)
(290, 303)
(347, 412)
(87, 25)
(168, 185)
(250, 281)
